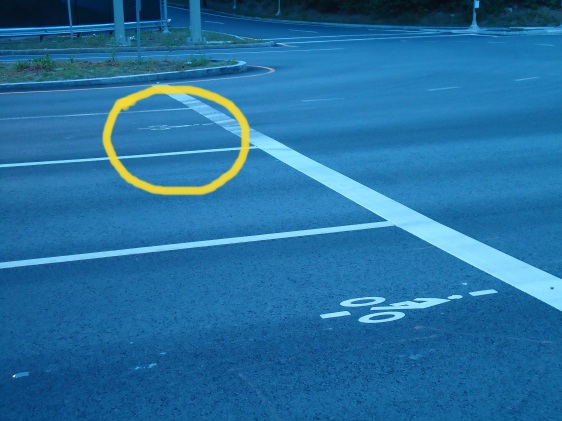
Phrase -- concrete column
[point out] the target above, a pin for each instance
(195, 21)
(119, 19)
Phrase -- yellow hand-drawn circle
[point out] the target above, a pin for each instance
(130, 100)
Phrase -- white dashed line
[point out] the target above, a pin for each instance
(336, 314)
(192, 245)
(484, 292)
(302, 30)
(523, 276)
(212, 21)
(527, 78)
(322, 99)
(546, 45)
(150, 155)
(443, 89)
(36, 117)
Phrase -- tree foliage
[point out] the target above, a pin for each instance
(396, 7)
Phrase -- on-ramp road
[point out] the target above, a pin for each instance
(392, 248)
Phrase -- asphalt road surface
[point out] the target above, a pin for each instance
(391, 249)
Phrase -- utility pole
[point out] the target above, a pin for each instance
(474, 25)
(70, 20)
(165, 7)
(195, 21)
(138, 31)
(278, 8)
(119, 19)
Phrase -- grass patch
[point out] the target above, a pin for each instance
(149, 38)
(45, 69)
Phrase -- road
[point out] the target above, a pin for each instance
(390, 249)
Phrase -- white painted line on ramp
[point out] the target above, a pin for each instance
(321, 99)
(192, 245)
(36, 117)
(527, 78)
(302, 30)
(524, 277)
(336, 314)
(484, 292)
(149, 155)
(443, 89)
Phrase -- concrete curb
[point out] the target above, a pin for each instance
(152, 77)
(194, 47)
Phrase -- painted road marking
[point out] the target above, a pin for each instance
(336, 314)
(150, 155)
(20, 374)
(36, 117)
(527, 78)
(322, 99)
(192, 245)
(322, 37)
(484, 292)
(302, 30)
(212, 21)
(378, 38)
(443, 89)
(389, 312)
(523, 276)
(546, 45)
(159, 127)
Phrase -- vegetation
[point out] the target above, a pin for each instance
(44, 68)
(176, 38)
(425, 12)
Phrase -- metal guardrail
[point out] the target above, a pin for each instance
(77, 29)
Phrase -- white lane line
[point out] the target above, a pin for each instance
(484, 292)
(443, 89)
(527, 78)
(546, 45)
(378, 38)
(420, 35)
(524, 277)
(150, 155)
(322, 99)
(496, 42)
(302, 30)
(336, 314)
(192, 245)
(318, 37)
(212, 21)
(35, 117)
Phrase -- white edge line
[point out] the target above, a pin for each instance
(523, 276)
(527, 78)
(377, 39)
(443, 89)
(336, 314)
(321, 99)
(484, 292)
(36, 117)
(151, 155)
(192, 245)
